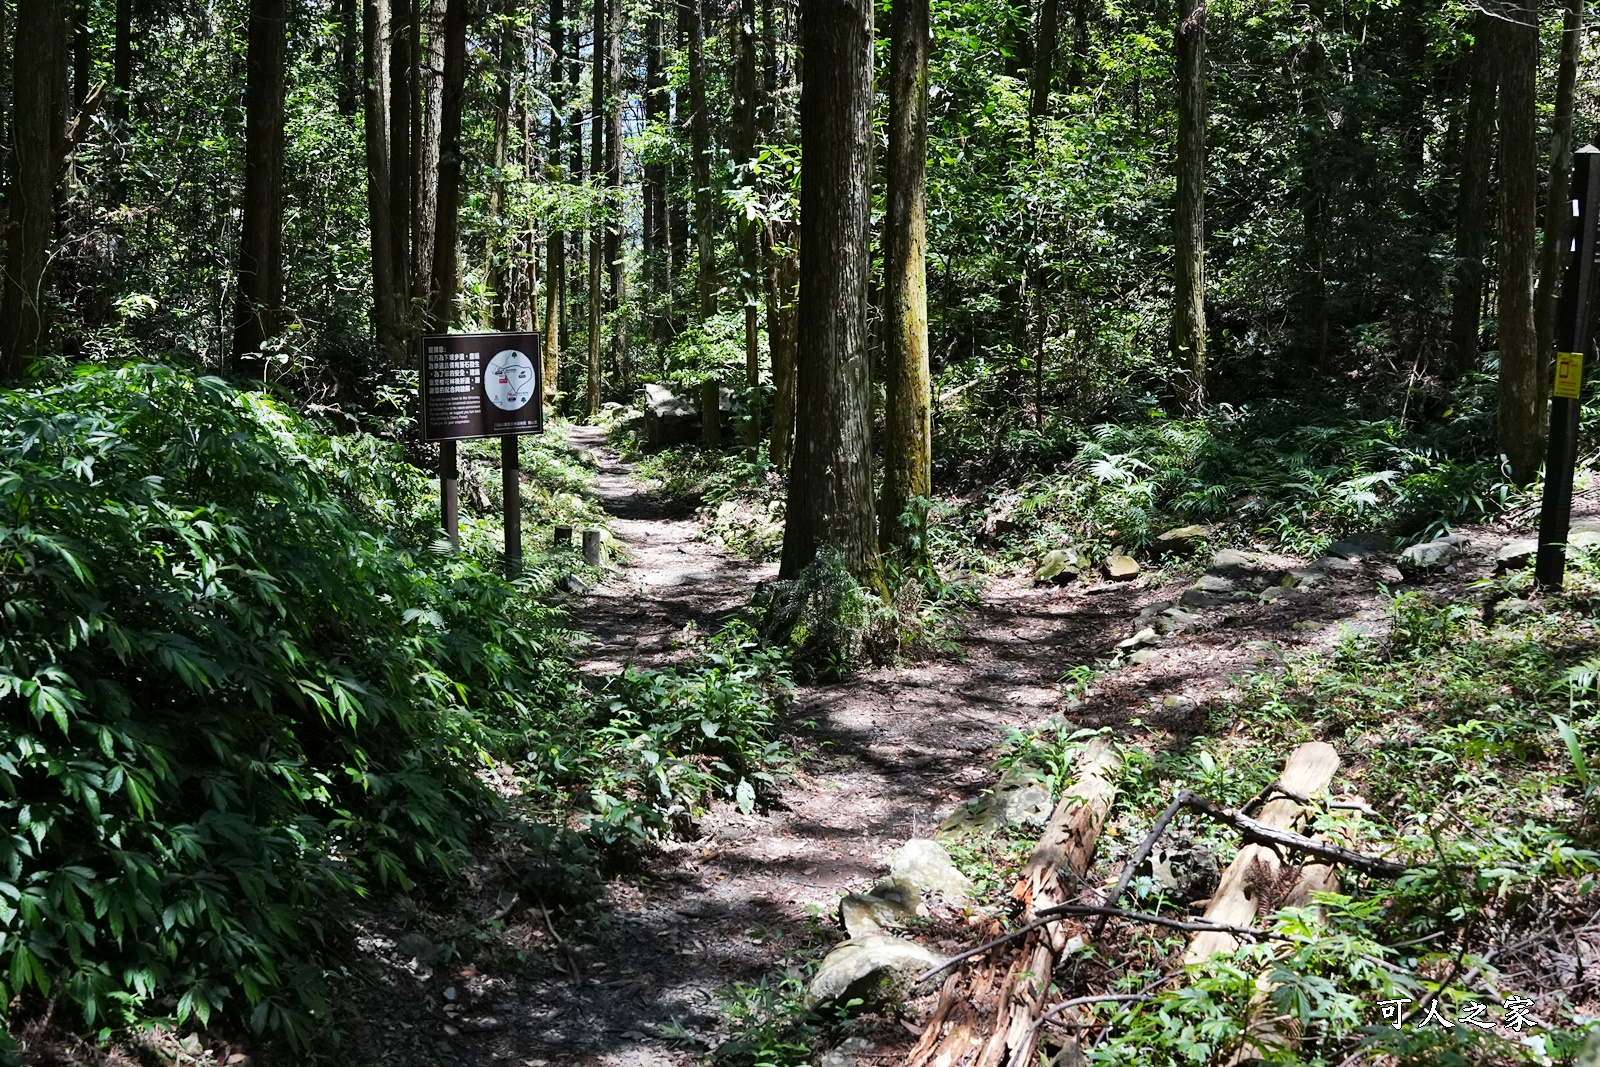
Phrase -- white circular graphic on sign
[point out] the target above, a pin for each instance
(508, 379)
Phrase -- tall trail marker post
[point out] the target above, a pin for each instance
(1574, 330)
(482, 385)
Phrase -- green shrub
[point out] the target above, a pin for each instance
(820, 617)
(239, 688)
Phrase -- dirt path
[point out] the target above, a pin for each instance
(893, 750)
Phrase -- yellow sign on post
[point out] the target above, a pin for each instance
(1569, 374)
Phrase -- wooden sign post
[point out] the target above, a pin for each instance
(482, 385)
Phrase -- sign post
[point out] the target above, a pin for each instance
(1573, 331)
(482, 385)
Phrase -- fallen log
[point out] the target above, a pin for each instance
(1066, 845)
(1266, 1033)
(1257, 866)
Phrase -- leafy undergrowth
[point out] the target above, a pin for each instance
(1281, 474)
(243, 687)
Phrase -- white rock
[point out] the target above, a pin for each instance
(862, 958)
(926, 865)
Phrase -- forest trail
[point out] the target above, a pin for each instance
(888, 753)
(891, 750)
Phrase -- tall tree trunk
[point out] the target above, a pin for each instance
(782, 335)
(657, 233)
(700, 147)
(616, 266)
(1044, 61)
(30, 200)
(1189, 212)
(387, 313)
(428, 149)
(908, 444)
(500, 252)
(447, 195)
(1473, 201)
(555, 245)
(350, 37)
(122, 87)
(1557, 214)
(1522, 377)
(403, 53)
(749, 244)
(1313, 210)
(597, 134)
(830, 480)
(82, 54)
(260, 302)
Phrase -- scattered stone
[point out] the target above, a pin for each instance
(1215, 583)
(1585, 533)
(862, 966)
(1515, 555)
(1181, 621)
(1334, 565)
(1144, 656)
(1151, 611)
(1433, 555)
(1197, 598)
(1305, 577)
(1020, 797)
(191, 1044)
(1307, 625)
(1249, 567)
(571, 583)
(1121, 567)
(1276, 592)
(419, 948)
(1187, 871)
(1146, 636)
(1361, 546)
(1389, 573)
(848, 1054)
(924, 864)
(1182, 538)
(1060, 566)
(863, 913)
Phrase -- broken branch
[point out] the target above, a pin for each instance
(1261, 834)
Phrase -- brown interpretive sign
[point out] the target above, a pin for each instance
(481, 385)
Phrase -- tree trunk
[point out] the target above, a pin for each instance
(782, 337)
(656, 233)
(432, 35)
(1189, 237)
(749, 246)
(830, 481)
(403, 147)
(122, 87)
(387, 315)
(1522, 377)
(616, 266)
(700, 147)
(1473, 203)
(1557, 213)
(555, 244)
(499, 273)
(82, 54)
(260, 301)
(350, 38)
(1080, 44)
(30, 201)
(597, 237)
(447, 195)
(908, 444)
(1313, 211)
(1044, 60)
